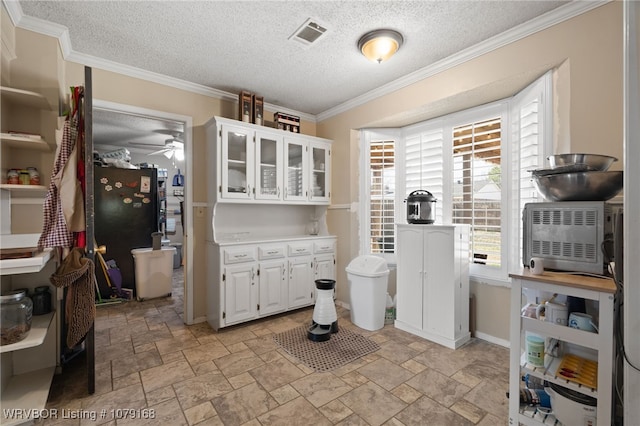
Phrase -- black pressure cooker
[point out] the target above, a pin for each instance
(421, 207)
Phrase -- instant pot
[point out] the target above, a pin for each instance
(421, 207)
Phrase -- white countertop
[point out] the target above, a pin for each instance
(239, 238)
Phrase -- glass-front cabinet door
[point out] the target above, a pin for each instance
(320, 175)
(269, 160)
(296, 166)
(237, 162)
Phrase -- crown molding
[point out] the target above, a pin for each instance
(540, 23)
(62, 34)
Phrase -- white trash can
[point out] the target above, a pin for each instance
(153, 271)
(367, 276)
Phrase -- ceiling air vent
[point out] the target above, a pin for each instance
(309, 32)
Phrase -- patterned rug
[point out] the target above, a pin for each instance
(342, 348)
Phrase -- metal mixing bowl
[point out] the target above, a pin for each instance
(579, 186)
(592, 161)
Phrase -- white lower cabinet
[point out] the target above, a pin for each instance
(301, 283)
(324, 266)
(273, 287)
(241, 293)
(249, 281)
(433, 282)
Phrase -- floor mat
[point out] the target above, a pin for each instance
(342, 348)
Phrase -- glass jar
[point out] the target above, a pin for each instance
(13, 177)
(24, 177)
(16, 310)
(34, 176)
(313, 227)
(41, 300)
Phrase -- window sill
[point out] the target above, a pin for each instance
(478, 279)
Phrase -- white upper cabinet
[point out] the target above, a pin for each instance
(251, 163)
(269, 159)
(320, 161)
(296, 160)
(307, 176)
(236, 162)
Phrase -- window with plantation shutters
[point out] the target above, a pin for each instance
(424, 163)
(475, 162)
(530, 118)
(477, 183)
(382, 181)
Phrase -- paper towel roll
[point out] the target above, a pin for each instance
(537, 265)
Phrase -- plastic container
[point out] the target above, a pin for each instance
(156, 240)
(390, 311)
(177, 258)
(16, 310)
(367, 277)
(535, 350)
(153, 272)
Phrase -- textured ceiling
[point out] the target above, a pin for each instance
(113, 129)
(243, 45)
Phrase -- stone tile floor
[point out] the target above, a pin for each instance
(147, 358)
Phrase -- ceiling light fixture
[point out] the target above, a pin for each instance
(380, 45)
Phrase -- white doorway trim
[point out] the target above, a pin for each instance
(188, 196)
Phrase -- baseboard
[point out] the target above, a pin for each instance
(343, 305)
(491, 339)
(200, 319)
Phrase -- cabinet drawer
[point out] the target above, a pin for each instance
(323, 246)
(299, 249)
(239, 255)
(271, 252)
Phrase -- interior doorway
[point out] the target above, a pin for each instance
(163, 139)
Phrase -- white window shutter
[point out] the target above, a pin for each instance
(531, 141)
(424, 163)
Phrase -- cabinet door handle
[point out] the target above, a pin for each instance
(278, 192)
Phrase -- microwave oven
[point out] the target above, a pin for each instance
(577, 236)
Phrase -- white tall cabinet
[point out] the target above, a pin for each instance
(266, 188)
(433, 282)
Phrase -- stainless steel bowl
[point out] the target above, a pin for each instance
(592, 161)
(579, 186)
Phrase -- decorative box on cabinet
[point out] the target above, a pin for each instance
(598, 346)
(256, 164)
(433, 282)
(249, 280)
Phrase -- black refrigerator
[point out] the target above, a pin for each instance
(126, 214)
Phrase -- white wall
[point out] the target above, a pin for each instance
(588, 118)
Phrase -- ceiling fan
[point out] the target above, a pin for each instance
(173, 146)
